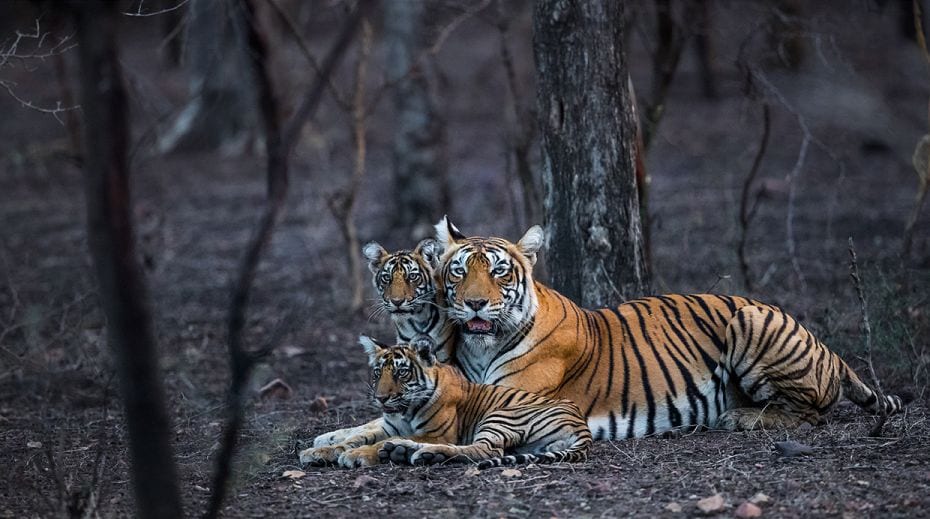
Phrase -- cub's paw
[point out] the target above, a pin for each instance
(398, 451)
(364, 456)
(321, 455)
(331, 438)
(431, 455)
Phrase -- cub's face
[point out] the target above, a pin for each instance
(403, 279)
(487, 282)
(400, 374)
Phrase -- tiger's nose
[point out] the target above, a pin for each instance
(476, 304)
(397, 302)
(383, 398)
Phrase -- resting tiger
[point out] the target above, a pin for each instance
(432, 414)
(406, 290)
(648, 366)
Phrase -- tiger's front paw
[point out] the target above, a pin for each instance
(364, 456)
(321, 455)
(332, 438)
(431, 455)
(398, 451)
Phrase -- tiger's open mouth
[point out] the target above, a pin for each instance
(478, 325)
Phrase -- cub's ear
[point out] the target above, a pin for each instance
(375, 255)
(531, 242)
(447, 234)
(372, 347)
(424, 345)
(430, 250)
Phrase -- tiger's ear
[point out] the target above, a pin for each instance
(372, 347)
(424, 345)
(531, 242)
(447, 234)
(375, 255)
(430, 250)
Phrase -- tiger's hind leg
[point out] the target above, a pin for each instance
(785, 373)
(749, 418)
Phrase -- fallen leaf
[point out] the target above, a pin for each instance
(748, 509)
(511, 473)
(276, 388)
(760, 499)
(673, 507)
(472, 471)
(201, 489)
(293, 474)
(712, 504)
(792, 448)
(364, 481)
(34, 445)
(318, 405)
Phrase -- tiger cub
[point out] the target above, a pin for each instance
(434, 414)
(406, 287)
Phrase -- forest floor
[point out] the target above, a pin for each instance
(60, 421)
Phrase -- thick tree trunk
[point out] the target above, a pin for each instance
(596, 254)
(220, 113)
(122, 287)
(419, 160)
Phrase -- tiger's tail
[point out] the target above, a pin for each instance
(865, 397)
(578, 452)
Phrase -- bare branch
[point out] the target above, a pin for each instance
(866, 328)
(139, 12)
(54, 112)
(279, 143)
(747, 212)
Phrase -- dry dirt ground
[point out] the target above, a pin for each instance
(863, 98)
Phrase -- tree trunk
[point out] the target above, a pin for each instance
(419, 160)
(220, 114)
(596, 254)
(122, 287)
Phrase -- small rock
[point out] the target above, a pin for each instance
(34, 445)
(293, 474)
(760, 499)
(511, 473)
(673, 507)
(365, 481)
(792, 448)
(472, 471)
(748, 509)
(712, 505)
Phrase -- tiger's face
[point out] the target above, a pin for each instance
(401, 375)
(403, 279)
(487, 282)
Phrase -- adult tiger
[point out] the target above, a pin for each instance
(647, 366)
(432, 414)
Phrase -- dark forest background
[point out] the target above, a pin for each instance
(398, 112)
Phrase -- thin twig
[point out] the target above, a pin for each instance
(139, 12)
(747, 212)
(866, 327)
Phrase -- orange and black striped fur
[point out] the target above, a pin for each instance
(648, 366)
(433, 414)
(406, 289)
(406, 285)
